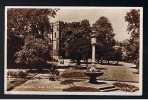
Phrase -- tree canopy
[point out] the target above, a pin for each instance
(29, 20)
(24, 24)
(133, 19)
(104, 36)
(76, 41)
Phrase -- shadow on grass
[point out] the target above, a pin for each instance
(42, 71)
(70, 81)
(112, 64)
(81, 89)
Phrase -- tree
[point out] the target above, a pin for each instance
(104, 36)
(25, 23)
(77, 40)
(133, 28)
(29, 20)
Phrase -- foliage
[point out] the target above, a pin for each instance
(133, 19)
(104, 37)
(22, 23)
(76, 44)
(114, 54)
(76, 39)
(29, 20)
(35, 51)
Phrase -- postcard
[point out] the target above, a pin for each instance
(66, 50)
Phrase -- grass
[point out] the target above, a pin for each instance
(111, 73)
(73, 73)
(119, 74)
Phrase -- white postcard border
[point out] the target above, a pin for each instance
(139, 93)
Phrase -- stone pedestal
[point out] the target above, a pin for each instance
(92, 76)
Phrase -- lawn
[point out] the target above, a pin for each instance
(111, 73)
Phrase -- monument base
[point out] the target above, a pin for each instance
(93, 76)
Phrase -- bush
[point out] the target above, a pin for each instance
(34, 52)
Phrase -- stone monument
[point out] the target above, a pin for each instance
(92, 72)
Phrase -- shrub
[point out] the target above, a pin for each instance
(34, 52)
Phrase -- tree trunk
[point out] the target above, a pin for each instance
(101, 60)
(117, 62)
(78, 61)
(87, 63)
(107, 61)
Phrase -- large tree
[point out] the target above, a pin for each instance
(76, 41)
(133, 19)
(23, 24)
(66, 30)
(104, 36)
(29, 20)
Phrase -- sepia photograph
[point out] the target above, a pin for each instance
(66, 50)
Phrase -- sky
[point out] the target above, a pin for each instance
(115, 16)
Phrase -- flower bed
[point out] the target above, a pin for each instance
(126, 87)
(81, 89)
